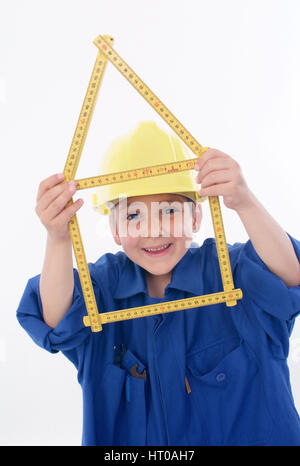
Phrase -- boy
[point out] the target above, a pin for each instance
(207, 376)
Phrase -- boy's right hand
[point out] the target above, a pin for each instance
(51, 207)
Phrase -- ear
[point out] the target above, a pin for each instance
(197, 217)
(114, 227)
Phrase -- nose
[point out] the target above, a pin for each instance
(158, 225)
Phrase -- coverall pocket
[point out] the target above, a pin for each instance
(230, 395)
(120, 400)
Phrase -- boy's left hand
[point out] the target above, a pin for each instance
(221, 175)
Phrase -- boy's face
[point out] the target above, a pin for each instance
(150, 222)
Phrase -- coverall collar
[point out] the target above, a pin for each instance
(132, 277)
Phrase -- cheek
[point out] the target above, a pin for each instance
(130, 243)
(182, 225)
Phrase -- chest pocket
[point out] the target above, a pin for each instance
(228, 395)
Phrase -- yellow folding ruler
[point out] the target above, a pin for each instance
(229, 295)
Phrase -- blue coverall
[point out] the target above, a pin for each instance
(215, 375)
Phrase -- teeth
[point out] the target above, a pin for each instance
(157, 249)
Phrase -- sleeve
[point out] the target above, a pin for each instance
(70, 332)
(264, 287)
(267, 301)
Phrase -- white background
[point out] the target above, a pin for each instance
(228, 70)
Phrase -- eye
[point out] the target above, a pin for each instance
(171, 208)
(131, 215)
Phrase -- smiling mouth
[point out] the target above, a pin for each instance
(158, 250)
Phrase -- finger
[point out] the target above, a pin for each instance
(224, 189)
(213, 164)
(60, 202)
(50, 195)
(65, 216)
(49, 183)
(209, 154)
(216, 177)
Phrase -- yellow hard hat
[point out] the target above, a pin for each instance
(147, 144)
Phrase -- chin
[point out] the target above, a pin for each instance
(160, 268)
(158, 272)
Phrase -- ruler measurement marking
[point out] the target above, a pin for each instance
(170, 306)
(144, 172)
(84, 120)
